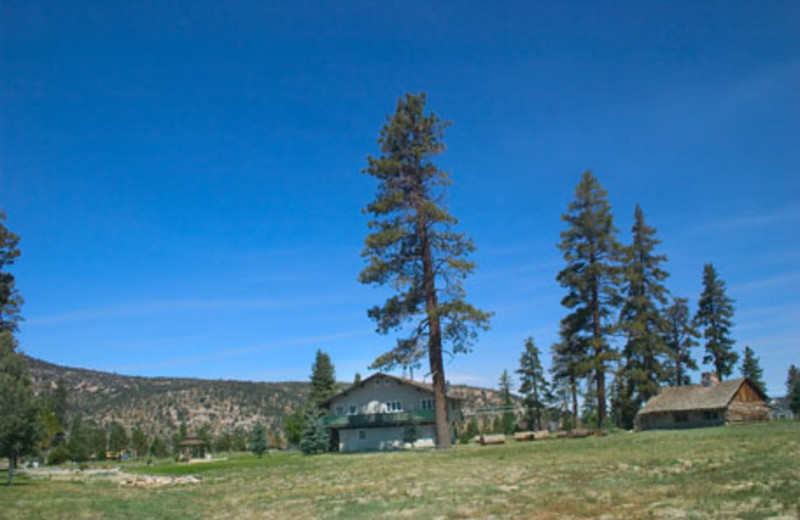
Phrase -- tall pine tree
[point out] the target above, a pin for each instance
(751, 369)
(413, 248)
(714, 314)
(640, 317)
(591, 277)
(680, 337)
(323, 379)
(793, 389)
(509, 416)
(568, 364)
(533, 385)
(10, 300)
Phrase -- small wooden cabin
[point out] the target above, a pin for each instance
(711, 403)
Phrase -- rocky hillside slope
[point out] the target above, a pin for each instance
(159, 405)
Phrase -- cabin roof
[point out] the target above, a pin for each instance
(402, 380)
(696, 397)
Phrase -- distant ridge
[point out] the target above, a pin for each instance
(159, 405)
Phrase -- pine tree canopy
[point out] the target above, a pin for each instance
(20, 418)
(640, 317)
(680, 337)
(714, 314)
(323, 379)
(591, 277)
(533, 384)
(411, 232)
(751, 369)
(10, 300)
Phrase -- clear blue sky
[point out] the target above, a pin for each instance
(186, 180)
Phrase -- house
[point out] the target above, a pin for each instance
(375, 414)
(779, 408)
(711, 403)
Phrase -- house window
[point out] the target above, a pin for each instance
(362, 434)
(340, 410)
(426, 403)
(711, 416)
(681, 417)
(351, 410)
(394, 406)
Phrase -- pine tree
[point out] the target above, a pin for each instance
(680, 336)
(793, 389)
(413, 248)
(316, 437)
(139, 442)
(751, 369)
(117, 439)
(509, 417)
(714, 314)
(258, 441)
(10, 300)
(533, 385)
(20, 417)
(569, 364)
(640, 318)
(323, 379)
(293, 426)
(158, 448)
(591, 277)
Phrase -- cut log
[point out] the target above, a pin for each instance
(540, 436)
(493, 439)
(524, 436)
(579, 433)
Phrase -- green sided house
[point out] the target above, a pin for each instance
(374, 414)
(711, 403)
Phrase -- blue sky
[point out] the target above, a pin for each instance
(185, 179)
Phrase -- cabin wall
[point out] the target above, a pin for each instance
(679, 420)
(383, 439)
(744, 412)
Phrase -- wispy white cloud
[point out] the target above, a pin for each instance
(738, 223)
(187, 305)
(783, 279)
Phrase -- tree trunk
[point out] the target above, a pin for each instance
(600, 372)
(434, 337)
(574, 387)
(12, 461)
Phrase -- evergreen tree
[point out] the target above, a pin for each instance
(533, 385)
(410, 433)
(139, 442)
(640, 319)
(323, 379)
(413, 248)
(623, 404)
(158, 448)
(258, 442)
(793, 389)
(20, 417)
(293, 426)
(714, 314)
(117, 439)
(470, 431)
(79, 442)
(591, 277)
(680, 336)
(357, 379)
(10, 300)
(316, 438)
(569, 364)
(509, 417)
(751, 369)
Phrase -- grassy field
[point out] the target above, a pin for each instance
(744, 472)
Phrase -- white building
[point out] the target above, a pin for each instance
(374, 414)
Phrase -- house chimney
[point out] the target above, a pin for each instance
(709, 379)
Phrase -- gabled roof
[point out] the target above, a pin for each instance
(402, 380)
(696, 397)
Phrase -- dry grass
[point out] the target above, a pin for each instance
(733, 472)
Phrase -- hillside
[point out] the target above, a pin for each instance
(160, 404)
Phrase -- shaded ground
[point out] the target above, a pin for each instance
(745, 472)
